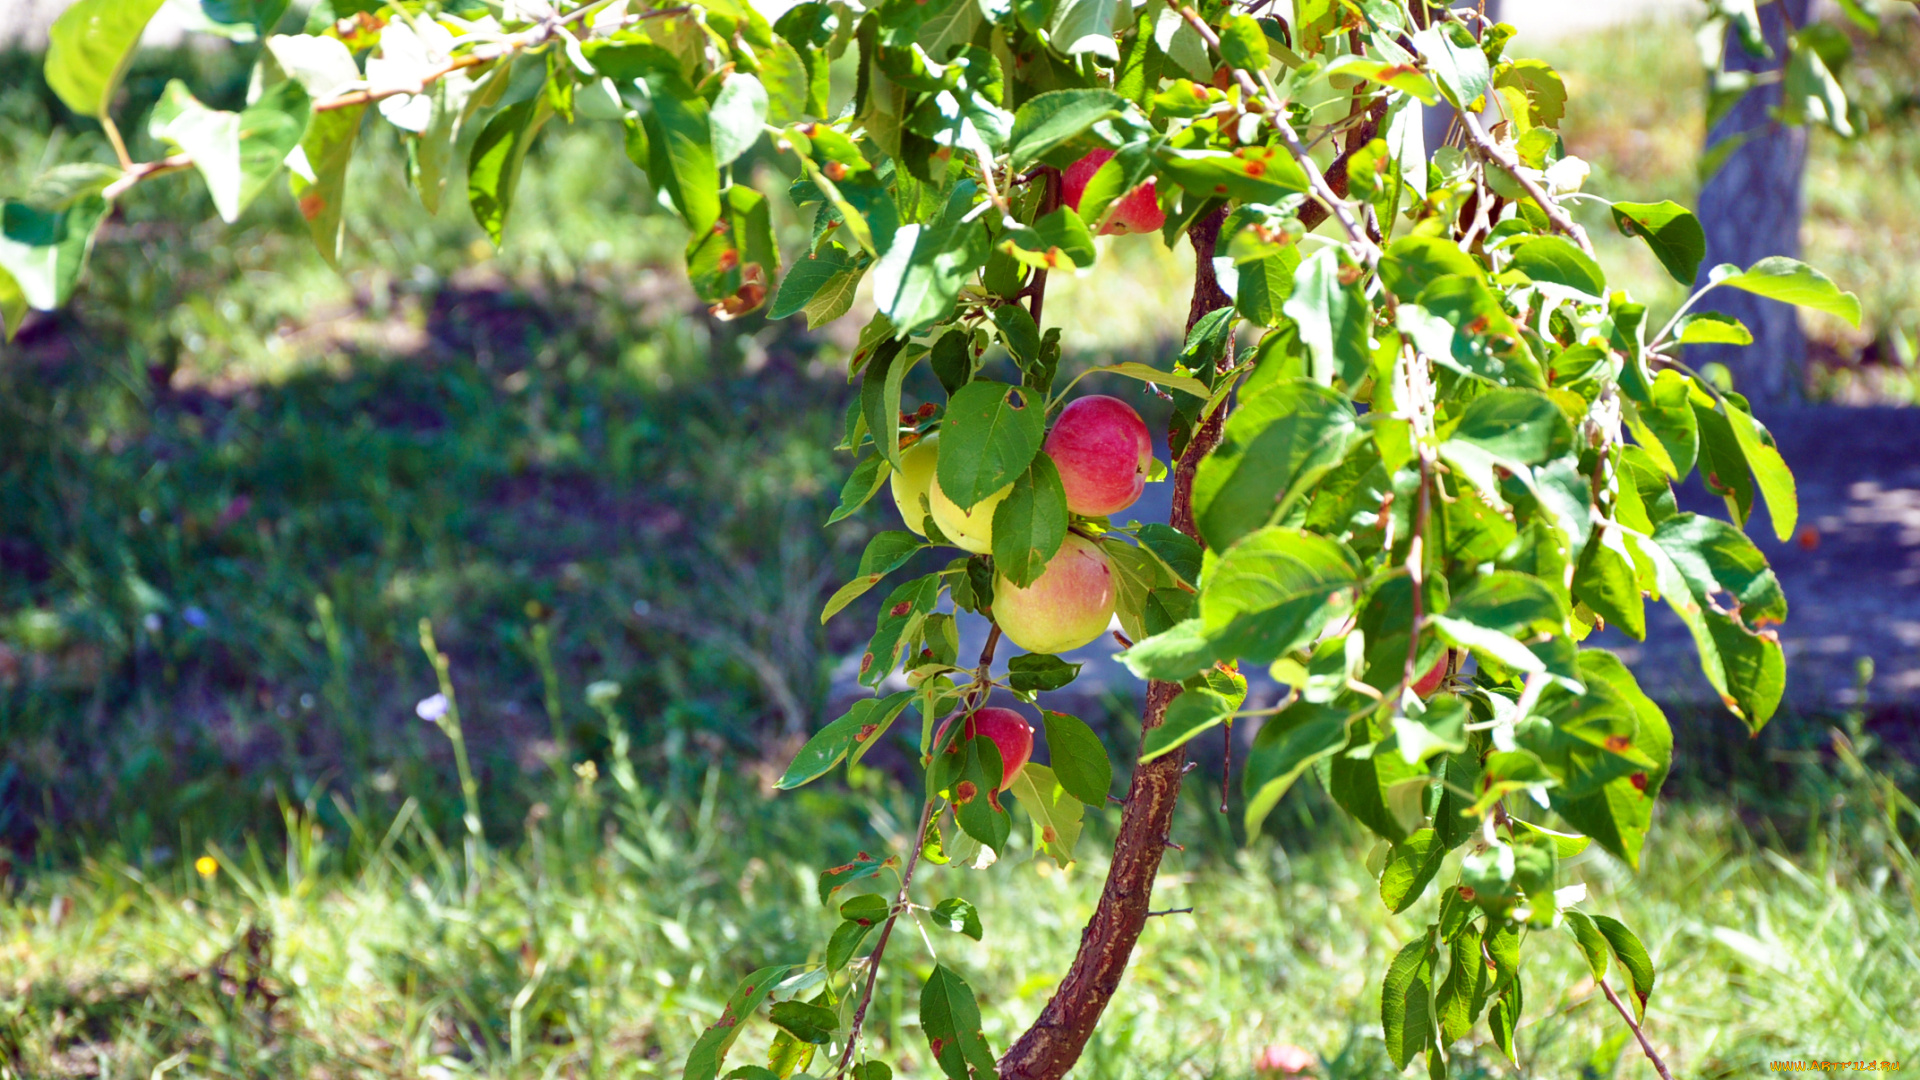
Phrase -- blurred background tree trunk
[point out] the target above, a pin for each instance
(1751, 209)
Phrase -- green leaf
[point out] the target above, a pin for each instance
(1604, 579)
(1176, 653)
(1243, 44)
(1461, 70)
(885, 553)
(42, 254)
(991, 434)
(866, 721)
(1290, 741)
(951, 1020)
(1412, 263)
(1180, 552)
(1460, 995)
(1019, 333)
(1770, 472)
(1030, 523)
(1405, 78)
(880, 385)
(1713, 328)
(1136, 574)
(1619, 814)
(1633, 959)
(835, 878)
(680, 158)
(1592, 943)
(237, 153)
(872, 1070)
(89, 48)
(13, 301)
(1256, 174)
(1193, 712)
(810, 1024)
(958, 916)
(1509, 428)
(1670, 230)
(867, 478)
(739, 113)
(1666, 424)
(1411, 865)
(1555, 260)
(493, 168)
(1058, 241)
(1034, 672)
(1079, 761)
(1275, 590)
(710, 1050)
(319, 176)
(920, 275)
(1056, 814)
(1546, 92)
(1147, 373)
(846, 940)
(1791, 281)
(1406, 1011)
(810, 276)
(1714, 557)
(1272, 450)
(1334, 320)
(1050, 119)
(901, 617)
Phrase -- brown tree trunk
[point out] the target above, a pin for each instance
(1050, 1047)
(1750, 209)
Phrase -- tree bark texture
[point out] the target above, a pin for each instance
(1055, 1041)
(1751, 209)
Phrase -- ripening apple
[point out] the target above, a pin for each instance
(1103, 452)
(972, 528)
(1424, 687)
(1011, 735)
(912, 479)
(1136, 211)
(1069, 605)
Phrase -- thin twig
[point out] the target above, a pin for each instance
(1658, 1065)
(1170, 911)
(1276, 114)
(144, 170)
(119, 144)
(1417, 570)
(886, 931)
(982, 682)
(526, 39)
(1556, 214)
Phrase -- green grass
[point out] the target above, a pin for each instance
(599, 937)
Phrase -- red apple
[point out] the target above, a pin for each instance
(1136, 211)
(1430, 682)
(1069, 605)
(1103, 452)
(1011, 735)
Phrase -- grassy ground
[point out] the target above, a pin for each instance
(602, 935)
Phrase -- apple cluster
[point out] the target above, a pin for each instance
(1100, 447)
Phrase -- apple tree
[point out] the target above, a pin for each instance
(1421, 448)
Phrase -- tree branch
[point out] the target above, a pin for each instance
(1647, 1047)
(1556, 214)
(1059, 1034)
(886, 932)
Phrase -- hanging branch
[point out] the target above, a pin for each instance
(1645, 1046)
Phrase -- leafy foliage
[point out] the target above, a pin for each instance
(1444, 462)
